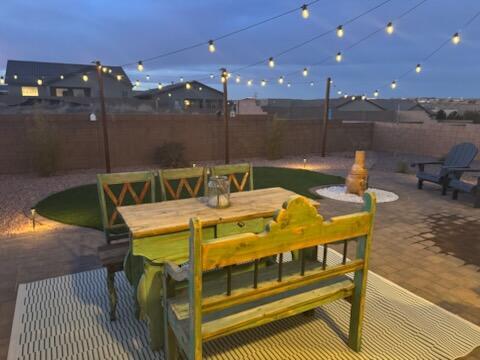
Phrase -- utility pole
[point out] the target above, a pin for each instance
(326, 108)
(103, 116)
(226, 114)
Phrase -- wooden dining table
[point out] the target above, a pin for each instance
(160, 232)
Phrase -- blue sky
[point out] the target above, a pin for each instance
(121, 31)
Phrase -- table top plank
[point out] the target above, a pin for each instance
(173, 216)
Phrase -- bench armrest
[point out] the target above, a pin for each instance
(176, 272)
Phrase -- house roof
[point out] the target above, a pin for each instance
(28, 72)
(375, 103)
(169, 88)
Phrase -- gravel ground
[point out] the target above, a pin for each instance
(19, 193)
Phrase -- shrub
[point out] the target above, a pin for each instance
(472, 115)
(441, 115)
(43, 140)
(274, 141)
(170, 155)
(402, 167)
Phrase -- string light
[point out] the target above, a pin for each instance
(418, 68)
(338, 57)
(263, 83)
(238, 79)
(39, 82)
(137, 83)
(339, 92)
(160, 86)
(181, 79)
(305, 13)
(345, 96)
(375, 93)
(211, 46)
(223, 79)
(2, 80)
(15, 76)
(393, 85)
(110, 71)
(280, 80)
(169, 94)
(289, 85)
(271, 62)
(363, 97)
(140, 66)
(62, 77)
(456, 38)
(340, 31)
(212, 76)
(85, 77)
(353, 98)
(305, 72)
(105, 69)
(311, 83)
(200, 88)
(119, 77)
(249, 82)
(188, 86)
(147, 77)
(390, 29)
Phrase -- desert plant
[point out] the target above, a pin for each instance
(402, 167)
(170, 155)
(274, 140)
(441, 115)
(44, 145)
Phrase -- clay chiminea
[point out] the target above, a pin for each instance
(357, 179)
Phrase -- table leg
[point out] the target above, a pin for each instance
(133, 267)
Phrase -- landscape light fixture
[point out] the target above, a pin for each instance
(393, 85)
(390, 29)
(305, 72)
(211, 46)
(140, 66)
(304, 163)
(33, 213)
(340, 31)
(271, 62)
(418, 68)
(280, 80)
(305, 12)
(338, 57)
(456, 38)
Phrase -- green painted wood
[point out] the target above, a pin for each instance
(193, 176)
(296, 226)
(245, 170)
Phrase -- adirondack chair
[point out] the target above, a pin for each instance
(460, 156)
(245, 171)
(206, 311)
(115, 190)
(461, 186)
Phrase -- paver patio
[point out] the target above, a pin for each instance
(424, 242)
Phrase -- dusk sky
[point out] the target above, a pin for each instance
(120, 32)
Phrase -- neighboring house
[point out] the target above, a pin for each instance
(249, 106)
(196, 97)
(58, 80)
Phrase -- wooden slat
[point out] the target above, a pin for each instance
(172, 216)
(248, 247)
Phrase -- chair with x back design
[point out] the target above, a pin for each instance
(239, 175)
(182, 183)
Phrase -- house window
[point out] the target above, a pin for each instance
(29, 91)
(61, 92)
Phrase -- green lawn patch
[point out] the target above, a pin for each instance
(79, 205)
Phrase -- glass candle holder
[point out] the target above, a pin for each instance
(218, 192)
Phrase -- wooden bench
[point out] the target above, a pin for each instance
(206, 310)
(112, 256)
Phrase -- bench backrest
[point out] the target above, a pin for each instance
(180, 183)
(119, 189)
(240, 175)
(296, 226)
(461, 155)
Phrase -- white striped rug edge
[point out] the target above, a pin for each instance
(16, 324)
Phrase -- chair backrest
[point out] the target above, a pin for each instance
(461, 155)
(120, 189)
(296, 226)
(239, 175)
(181, 183)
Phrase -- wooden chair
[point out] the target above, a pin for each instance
(245, 171)
(206, 311)
(115, 190)
(180, 183)
(461, 186)
(460, 156)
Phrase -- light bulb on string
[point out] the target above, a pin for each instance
(140, 66)
(263, 83)
(345, 96)
(223, 79)
(104, 69)
(364, 97)
(289, 85)
(340, 31)
(160, 86)
(200, 88)
(39, 82)
(375, 93)
(238, 79)
(312, 83)
(280, 80)
(271, 62)
(62, 77)
(305, 12)
(305, 72)
(393, 85)
(418, 68)
(110, 71)
(249, 82)
(353, 98)
(338, 57)
(15, 76)
(181, 79)
(147, 77)
(119, 77)
(456, 38)
(137, 83)
(389, 28)
(85, 77)
(339, 92)
(188, 86)
(2, 80)
(211, 46)
(212, 76)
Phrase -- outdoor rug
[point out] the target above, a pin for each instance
(67, 318)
